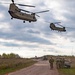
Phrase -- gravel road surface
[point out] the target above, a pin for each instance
(40, 68)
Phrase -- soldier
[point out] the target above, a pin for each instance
(51, 61)
(62, 62)
(58, 62)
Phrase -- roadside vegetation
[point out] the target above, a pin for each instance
(68, 71)
(12, 62)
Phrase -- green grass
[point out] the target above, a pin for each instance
(70, 71)
(10, 67)
(5, 71)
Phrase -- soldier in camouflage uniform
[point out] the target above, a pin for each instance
(60, 62)
(51, 61)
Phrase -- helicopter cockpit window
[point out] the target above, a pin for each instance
(33, 14)
(33, 17)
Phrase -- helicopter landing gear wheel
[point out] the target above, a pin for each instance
(29, 21)
(11, 17)
(23, 21)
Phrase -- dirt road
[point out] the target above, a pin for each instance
(40, 68)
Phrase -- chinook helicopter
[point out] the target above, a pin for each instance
(54, 27)
(21, 14)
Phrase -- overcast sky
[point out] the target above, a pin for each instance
(36, 38)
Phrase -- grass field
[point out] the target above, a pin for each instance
(10, 65)
(70, 71)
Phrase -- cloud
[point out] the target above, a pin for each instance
(38, 35)
(1, 16)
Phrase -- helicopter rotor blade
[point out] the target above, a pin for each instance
(25, 5)
(70, 27)
(25, 11)
(37, 15)
(60, 25)
(56, 22)
(20, 4)
(53, 22)
(34, 12)
(42, 11)
(65, 26)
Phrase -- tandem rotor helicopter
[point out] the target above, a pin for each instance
(17, 13)
(54, 27)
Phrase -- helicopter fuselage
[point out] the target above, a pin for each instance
(15, 12)
(53, 27)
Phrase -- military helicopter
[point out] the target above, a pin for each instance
(21, 14)
(54, 27)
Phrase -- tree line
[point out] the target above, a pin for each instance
(11, 55)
